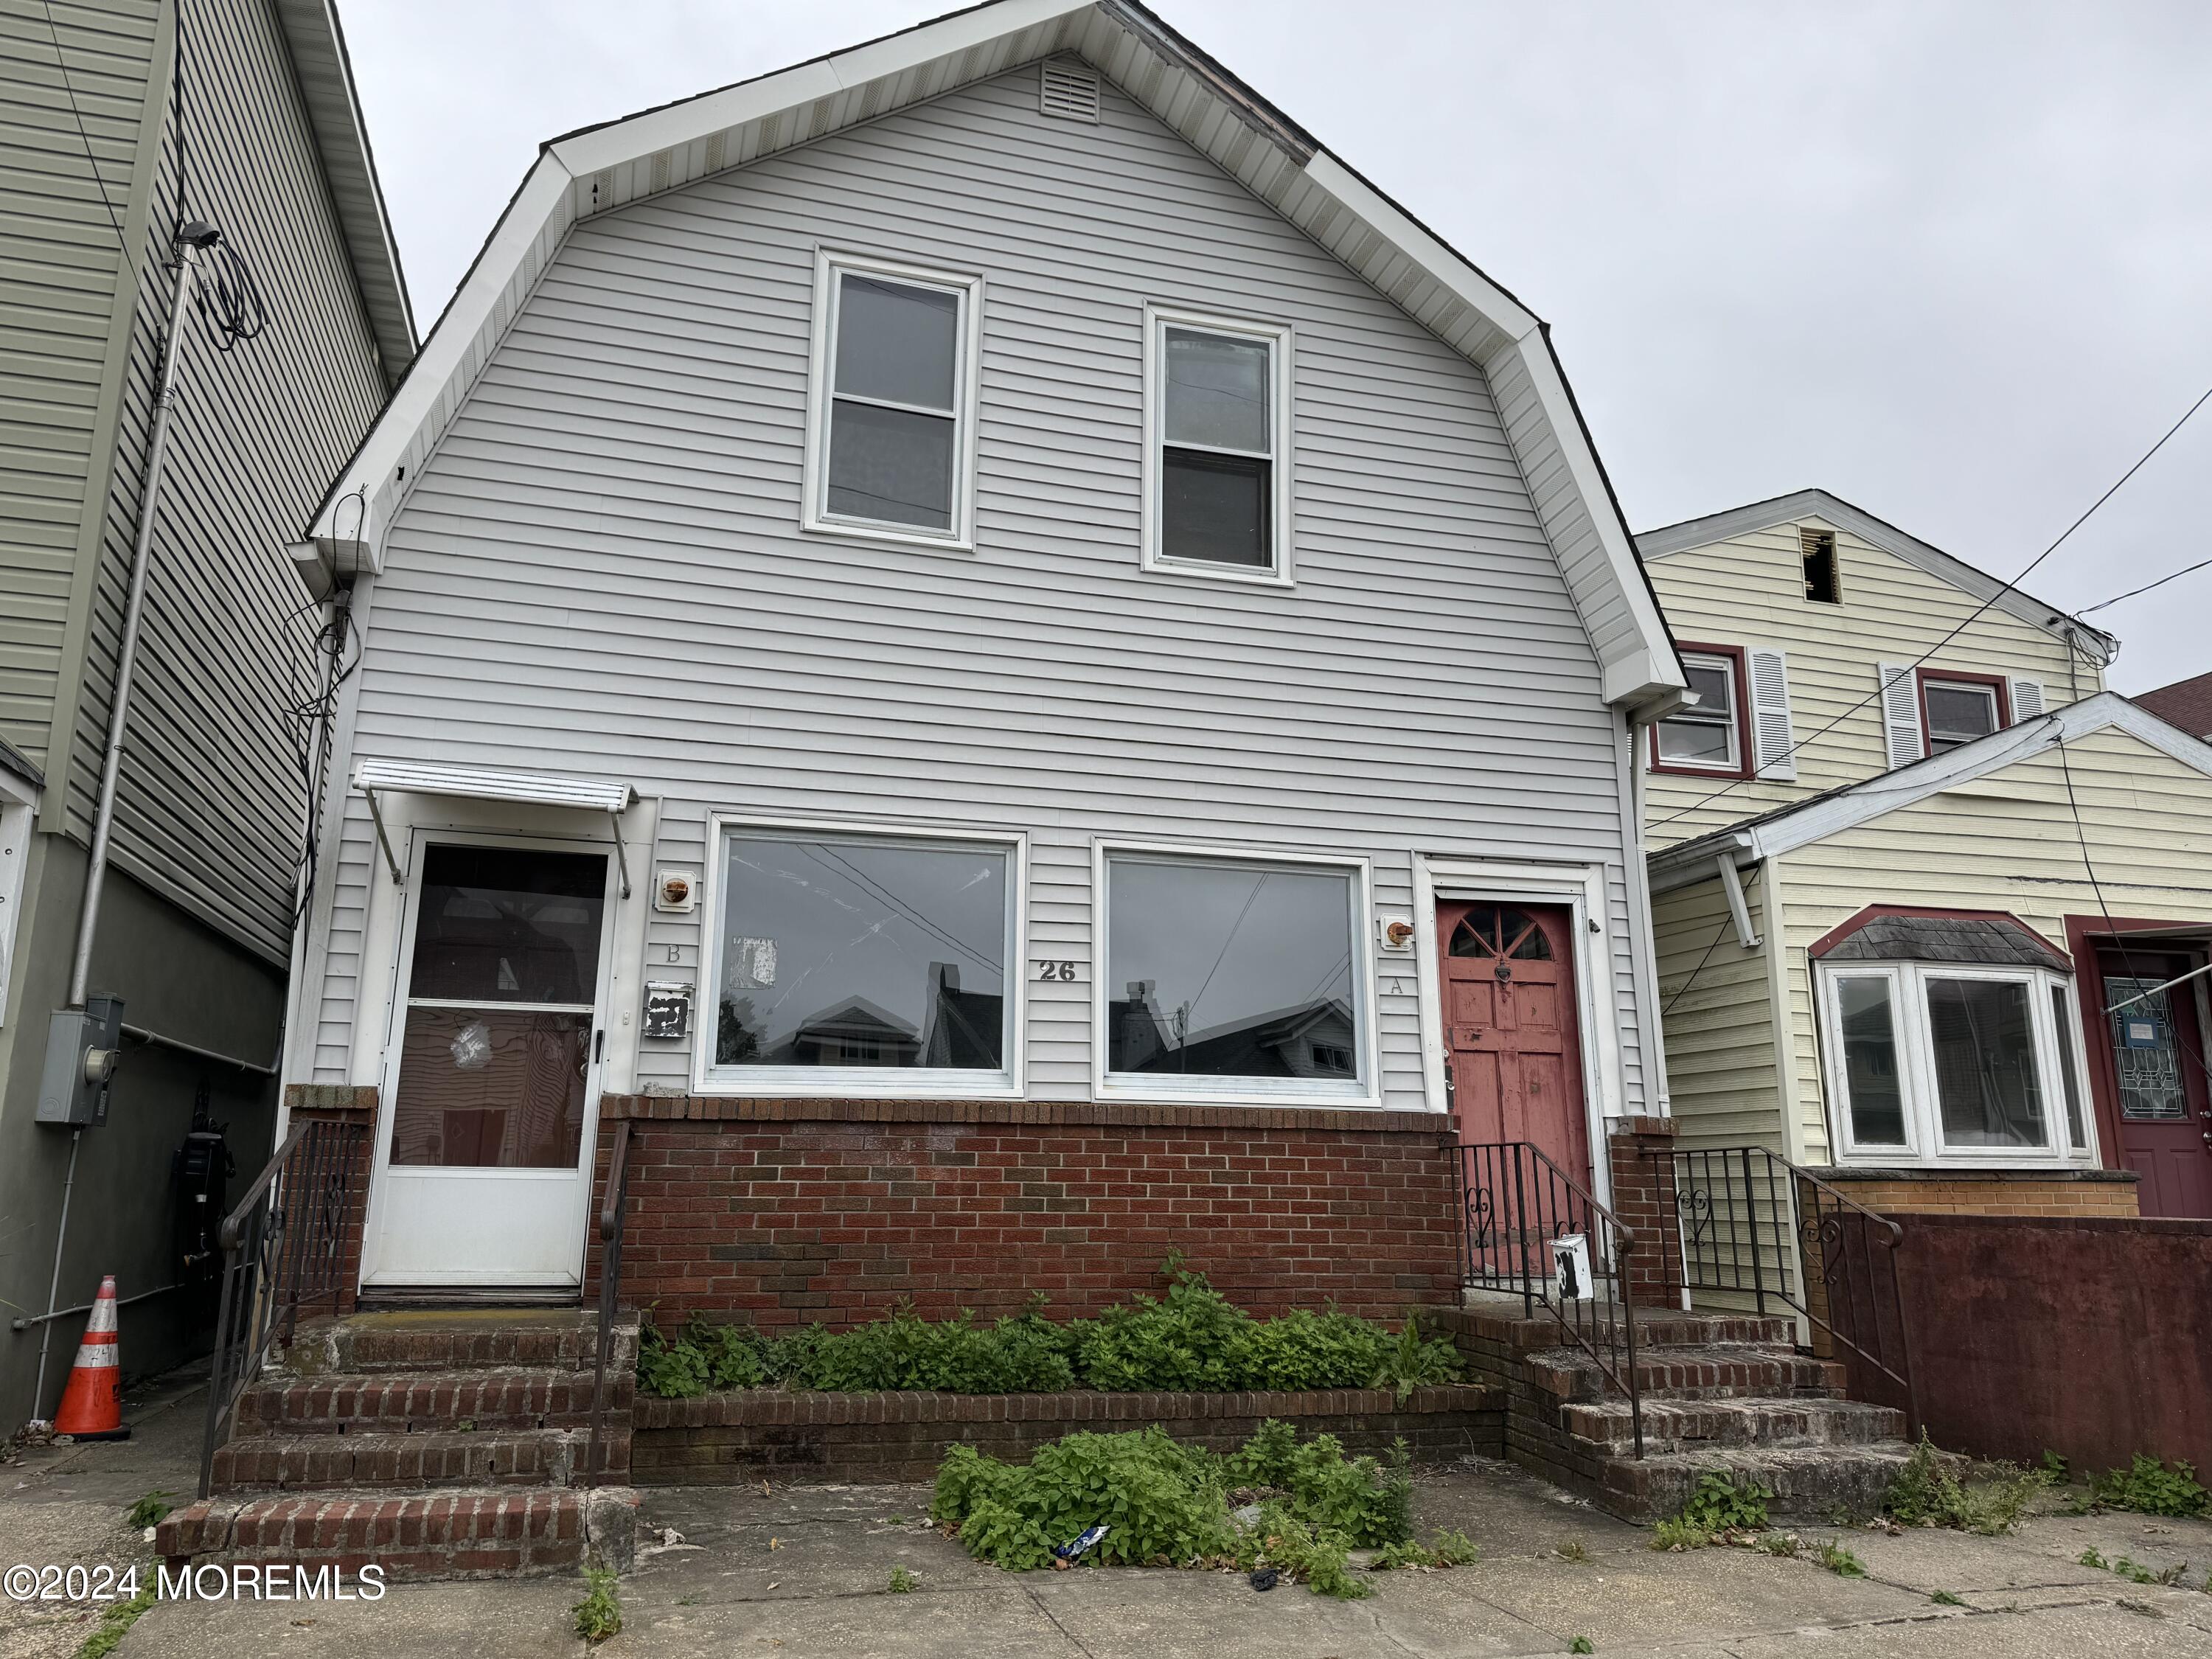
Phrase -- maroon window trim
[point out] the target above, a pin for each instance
(1922, 675)
(1746, 763)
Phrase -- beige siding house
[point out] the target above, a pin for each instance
(1920, 884)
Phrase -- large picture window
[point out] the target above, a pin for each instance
(890, 404)
(858, 964)
(1218, 448)
(1229, 978)
(1935, 1061)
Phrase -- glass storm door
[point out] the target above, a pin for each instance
(491, 1077)
(2159, 1064)
(1515, 1053)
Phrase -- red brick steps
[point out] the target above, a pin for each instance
(499, 1457)
(443, 1534)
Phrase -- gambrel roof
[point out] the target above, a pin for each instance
(602, 168)
(1840, 514)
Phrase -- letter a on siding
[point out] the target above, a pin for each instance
(1772, 746)
(1900, 714)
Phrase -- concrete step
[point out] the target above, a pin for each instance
(423, 1402)
(1690, 1425)
(458, 1534)
(448, 1340)
(1714, 1371)
(1500, 1318)
(449, 1457)
(1816, 1483)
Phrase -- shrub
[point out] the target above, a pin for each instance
(1191, 1339)
(2149, 1487)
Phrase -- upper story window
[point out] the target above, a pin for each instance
(1960, 709)
(1708, 736)
(890, 403)
(1227, 978)
(1218, 465)
(1822, 585)
(1929, 711)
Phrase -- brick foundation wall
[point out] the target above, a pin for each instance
(732, 1438)
(2061, 1193)
(789, 1211)
(1642, 1153)
(333, 1103)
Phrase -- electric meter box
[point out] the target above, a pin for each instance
(81, 1049)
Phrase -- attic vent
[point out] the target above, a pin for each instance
(1819, 546)
(1068, 93)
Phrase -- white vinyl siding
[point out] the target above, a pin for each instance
(603, 556)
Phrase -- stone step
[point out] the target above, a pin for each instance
(428, 1402)
(1499, 1318)
(1807, 1482)
(1689, 1425)
(1715, 1371)
(461, 1533)
(449, 1457)
(446, 1340)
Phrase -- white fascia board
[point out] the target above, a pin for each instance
(1693, 862)
(472, 313)
(1356, 196)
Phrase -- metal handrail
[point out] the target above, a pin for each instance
(613, 1213)
(1714, 1236)
(283, 1244)
(1498, 1217)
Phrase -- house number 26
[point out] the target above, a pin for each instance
(1064, 972)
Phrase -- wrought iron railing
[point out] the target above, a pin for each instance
(1531, 1230)
(1754, 1223)
(612, 1214)
(283, 1248)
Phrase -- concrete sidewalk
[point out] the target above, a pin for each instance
(805, 1571)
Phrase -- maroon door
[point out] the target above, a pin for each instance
(1508, 973)
(2158, 1059)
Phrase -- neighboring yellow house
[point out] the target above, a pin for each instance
(1904, 909)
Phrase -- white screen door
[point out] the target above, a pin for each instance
(491, 1074)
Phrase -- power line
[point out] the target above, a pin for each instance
(1976, 615)
(2185, 570)
(91, 161)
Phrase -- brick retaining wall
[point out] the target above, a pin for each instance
(731, 1438)
(789, 1211)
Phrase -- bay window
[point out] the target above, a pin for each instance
(1939, 1061)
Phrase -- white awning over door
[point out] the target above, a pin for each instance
(612, 797)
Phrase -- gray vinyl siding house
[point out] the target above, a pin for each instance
(583, 549)
(197, 926)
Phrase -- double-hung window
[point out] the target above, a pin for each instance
(858, 965)
(1229, 978)
(1217, 451)
(1707, 736)
(891, 402)
(1944, 1062)
(1960, 710)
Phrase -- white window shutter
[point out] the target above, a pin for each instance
(1772, 746)
(2027, 700)
(1900, 714)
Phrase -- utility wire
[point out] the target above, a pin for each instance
(91, 161)
(2175, 576)
(1979, 612)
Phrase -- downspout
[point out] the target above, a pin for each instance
(190, 240)
(1643, 948)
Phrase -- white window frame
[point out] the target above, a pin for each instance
(1980, 687)
(859, 1082)
(1925, 1145)
(1281, 341)
(1364, 1089)
(1734, 670)
(829, 264)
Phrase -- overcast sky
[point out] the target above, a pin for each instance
(1952, 262)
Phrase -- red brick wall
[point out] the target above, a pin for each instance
(315, 1103)
(788, 1212)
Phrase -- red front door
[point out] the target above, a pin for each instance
(2158, 1063)
(1514, 1054)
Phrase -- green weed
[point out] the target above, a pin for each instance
(115, 1623)
(1720, 1505)
(1839, 1560)
(1446, 1549)
(599, 1615)
(149, 1510)
(2146, 1486)
(1928, 1491)
(1945, 1599)
(1582, 1644)
(1572, 1550)
(902, 1582)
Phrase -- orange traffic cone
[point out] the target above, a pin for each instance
(92, 1405)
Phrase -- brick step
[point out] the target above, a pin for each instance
(1809, 1482)
(496, 1457)
(1717, 1371)
(1499, 1319)
(428, 1402)
(1690, 1425)
(450, 1340)
(461, 1533)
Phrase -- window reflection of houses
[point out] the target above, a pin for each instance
(960, 1030)
(1312, 1040)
